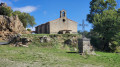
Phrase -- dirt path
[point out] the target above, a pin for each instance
(3, 43)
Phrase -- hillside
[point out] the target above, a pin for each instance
(35, 56)
(53, 53)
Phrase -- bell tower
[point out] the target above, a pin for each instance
(63, 14)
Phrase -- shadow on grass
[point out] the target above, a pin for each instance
(4, 43)
(73, 52)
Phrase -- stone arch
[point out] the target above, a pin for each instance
(62, 13)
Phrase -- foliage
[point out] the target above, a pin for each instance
(25, 18)
(98, 6)
(79, 32)
(28, 29)
(5, 11)
(55, 39)
(105, 20)
(115, 46)
(107, 25)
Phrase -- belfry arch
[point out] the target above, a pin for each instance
(63, 14)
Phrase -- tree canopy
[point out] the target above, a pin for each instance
(106, 21)
(98, 6)
(25, 18)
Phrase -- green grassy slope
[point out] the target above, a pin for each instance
(51, 57)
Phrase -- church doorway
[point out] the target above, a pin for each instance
(65, 32)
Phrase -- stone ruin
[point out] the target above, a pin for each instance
(85, 47)
(18, 41)
(44, 39)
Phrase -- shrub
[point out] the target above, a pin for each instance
(5, 11)
(28, 29)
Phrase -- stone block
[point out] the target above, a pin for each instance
(85, 47)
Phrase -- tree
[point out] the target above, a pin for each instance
(5, 11)
(105, 20)
(79, 32)
(25, 18)
(107, 25)
(98, 6)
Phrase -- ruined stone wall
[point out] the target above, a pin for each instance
(72, 26)
(85, 47)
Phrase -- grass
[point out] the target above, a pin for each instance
(35, 56)
(53, 54)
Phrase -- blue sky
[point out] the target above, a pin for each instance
(47, 10)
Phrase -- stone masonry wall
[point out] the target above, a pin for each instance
(57, 25)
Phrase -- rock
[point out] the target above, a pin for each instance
(73, 42)
(44, 39)
(18, 41)
(68, 42)
(10, 26)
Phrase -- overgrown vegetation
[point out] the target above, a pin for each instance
(56, 40)
(6, 11)
(105, 20)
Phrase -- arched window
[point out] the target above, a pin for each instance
(63, 14)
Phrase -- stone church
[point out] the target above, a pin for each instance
(61, 25)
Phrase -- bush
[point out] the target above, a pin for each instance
(28, 29)
(5, 11)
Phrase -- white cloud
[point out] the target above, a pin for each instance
(27, 9)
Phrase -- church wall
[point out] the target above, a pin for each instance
(57, 25)
(43, 29)
(72, 26)
(36, 29)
